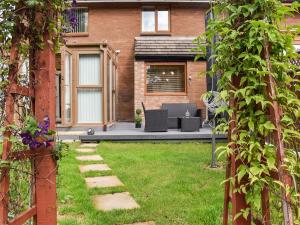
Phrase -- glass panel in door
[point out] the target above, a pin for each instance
(89, 105)
(89, 91)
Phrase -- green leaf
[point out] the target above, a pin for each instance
(251, 125)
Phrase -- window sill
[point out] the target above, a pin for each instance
(81, 34)
(155, 34)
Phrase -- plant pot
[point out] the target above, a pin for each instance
(138, 125)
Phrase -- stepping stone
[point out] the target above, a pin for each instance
(85, 150)
(89, 158)
(89, 145)
(94, 167)
(142, 223)
(103, 182)
(115, 201)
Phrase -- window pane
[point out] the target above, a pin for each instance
(89, 69)
(163, 20)
(68, 87)
(81, 16)
(148, 21)
(89, 105)
(165, 78)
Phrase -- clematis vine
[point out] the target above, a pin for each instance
(37, 135)
(71, 16)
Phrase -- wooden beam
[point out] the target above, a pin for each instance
(23, 155)
(44, 104)
(238, 199)
(9, 110)
(275, 116)
(24, 91)
(265, 202)
(22, 218)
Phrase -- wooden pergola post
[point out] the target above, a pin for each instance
(44, 105)
(238, 200)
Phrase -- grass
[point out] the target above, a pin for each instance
(172, 183)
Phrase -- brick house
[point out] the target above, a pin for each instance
(124, 52)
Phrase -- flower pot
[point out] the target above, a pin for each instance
(138, 125)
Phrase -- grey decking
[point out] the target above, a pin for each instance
(127, 132)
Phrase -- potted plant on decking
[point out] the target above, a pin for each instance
(138, 118)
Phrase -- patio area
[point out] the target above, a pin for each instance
(128, 132)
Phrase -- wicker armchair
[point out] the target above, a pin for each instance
(156, 120)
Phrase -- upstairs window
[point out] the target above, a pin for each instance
(81, 26)
(155, 20)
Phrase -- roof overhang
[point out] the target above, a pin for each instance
(167, 48)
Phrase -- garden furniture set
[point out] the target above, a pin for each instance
(183, 116)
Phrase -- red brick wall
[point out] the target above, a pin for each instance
(119, 24)
(195, 87)
(295, 20)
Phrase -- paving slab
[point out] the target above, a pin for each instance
(102, 182)
(89, 158)
(89, 145)
(94, 167)
(143, 223)
(85, 150)
(115, 201)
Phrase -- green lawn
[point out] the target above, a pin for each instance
(172, 183)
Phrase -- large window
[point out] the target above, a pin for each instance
(166, 78)
(81, 25)
(155, 20)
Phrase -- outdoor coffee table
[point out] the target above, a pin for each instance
(190, 124)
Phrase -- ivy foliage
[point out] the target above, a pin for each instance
(25, 22)
(253, 42)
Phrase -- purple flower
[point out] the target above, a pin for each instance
(71, 15)
(40, 138)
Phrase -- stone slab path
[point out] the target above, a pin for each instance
(107, 202)
(89, 158)
(102, 182)
(85, 150)
(94, 167)
(143, 223)
(115, 201)
(89, 145)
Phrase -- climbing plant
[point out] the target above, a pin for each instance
(253, 49)
(27, 28)
(19, 22)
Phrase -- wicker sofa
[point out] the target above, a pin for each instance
(178, 110)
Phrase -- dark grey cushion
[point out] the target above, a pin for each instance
(179, 109)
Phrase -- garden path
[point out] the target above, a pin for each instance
(107, 202)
